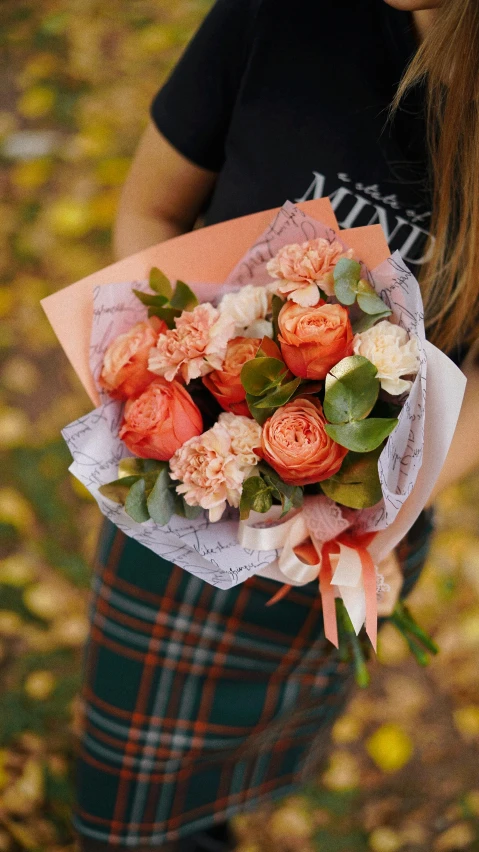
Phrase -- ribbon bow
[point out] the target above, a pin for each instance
(314, 544)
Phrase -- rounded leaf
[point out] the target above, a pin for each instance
(357, 484)
(347, 268)
(362, 436)
(161, 501)
(262, 374)
(135, 503)
(160, 283)
(351, 390)
(345, 291)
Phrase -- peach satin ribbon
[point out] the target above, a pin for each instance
(343, 565)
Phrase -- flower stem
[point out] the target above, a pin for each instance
(350, 646)
(418, 640)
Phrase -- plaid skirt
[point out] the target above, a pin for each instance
(201, 703)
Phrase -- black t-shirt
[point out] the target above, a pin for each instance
(290, 101)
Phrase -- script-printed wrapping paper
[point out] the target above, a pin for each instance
(211, 550)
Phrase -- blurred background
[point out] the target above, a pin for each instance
(77, 79)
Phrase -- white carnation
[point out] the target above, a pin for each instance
(245, 435)
(246, 305)
(260, 328)
(392, 352)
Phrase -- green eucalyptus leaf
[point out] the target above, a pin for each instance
(132, 466)
(359, 467)
(190, 512)
(135, 503)
(344, 291)
(368, 320)
(348, 269)
(362, 436)
(355, 495)
(280, 396)
(290, 496)
(310, 388)
(260, 414)
(256, 496)
(167, 314)
(149, 300)
(118, 489)
(370, 303)
(160, 283)
(356, 484)
(161, 500)
(276, 305)
(262, 374)
(351, 390)
(183, 297)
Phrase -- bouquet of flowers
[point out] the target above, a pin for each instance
(277, 427)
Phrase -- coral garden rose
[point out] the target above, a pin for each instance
(314, 339)
(294, 442)
(195, 347)
(160, 420)
(225, 384)
(392, 352)
(303, 267)
(125, 370)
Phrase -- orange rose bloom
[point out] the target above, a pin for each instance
(125, 370)
(158, 422)
(295, 444)
(314, 339)
(225, 384)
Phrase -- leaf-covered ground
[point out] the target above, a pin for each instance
(77, 77)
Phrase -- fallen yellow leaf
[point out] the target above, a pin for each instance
(390, 747)
(36, 102)
(343, 772)
(384, 839)
(69, 217)
(466, 720)
(21, 797)
(15, 428)
(47, 599)
(31, 174)
(10, 623)
(17, 570)
(14, 509)
(291, 820)
(347, 729)
(40, 685)
(459, 836)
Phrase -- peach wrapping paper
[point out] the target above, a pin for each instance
(409, 464)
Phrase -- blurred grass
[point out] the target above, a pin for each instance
(78, 78)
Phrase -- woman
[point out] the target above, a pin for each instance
(200, 702)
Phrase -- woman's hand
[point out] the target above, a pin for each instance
(390, 570)
(162, 196)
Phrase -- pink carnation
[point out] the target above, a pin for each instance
(210, 472)
(195, 347)
(302, 268)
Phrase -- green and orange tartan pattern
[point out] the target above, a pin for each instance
(201, 703)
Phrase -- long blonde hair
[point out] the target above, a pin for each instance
(447, 63)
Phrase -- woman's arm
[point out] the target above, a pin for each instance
(463, 455)
(162, 196)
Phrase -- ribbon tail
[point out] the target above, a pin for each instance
(370, 589)
(283, 591)
(328, 599)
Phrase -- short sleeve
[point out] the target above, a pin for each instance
(194, 107)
